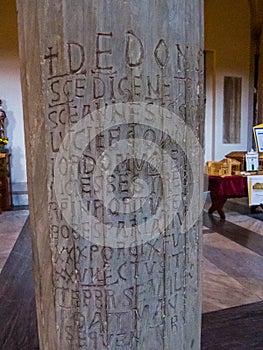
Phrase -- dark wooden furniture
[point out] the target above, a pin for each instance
(222, 188)
(5, 182)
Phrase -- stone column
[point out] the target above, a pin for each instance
(112, 95)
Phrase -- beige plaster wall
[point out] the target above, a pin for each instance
(260, 82)
(227, 37)
(10, 90)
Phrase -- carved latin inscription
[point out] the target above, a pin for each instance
(107, 296)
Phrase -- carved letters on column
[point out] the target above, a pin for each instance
(114, 287)
(129, 295)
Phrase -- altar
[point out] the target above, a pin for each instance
(223, 188)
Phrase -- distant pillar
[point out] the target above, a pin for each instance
(112, 95)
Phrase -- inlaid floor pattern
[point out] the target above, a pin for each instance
(11, 224)
(232, 271)
(232, 277)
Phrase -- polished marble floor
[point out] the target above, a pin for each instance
(11, 224)
(232, 274)
(232, 259)
(232, 282)
(232, 267)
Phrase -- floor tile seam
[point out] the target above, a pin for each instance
(218, 229)
(250, 288)
(223, 274)
(256, 221)
(244, 247)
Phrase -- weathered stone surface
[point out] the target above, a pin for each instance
(112, 95)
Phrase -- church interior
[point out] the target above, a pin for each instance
(232, 248)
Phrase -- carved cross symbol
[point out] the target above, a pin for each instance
(51, 56)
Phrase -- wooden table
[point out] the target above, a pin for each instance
(222, 188)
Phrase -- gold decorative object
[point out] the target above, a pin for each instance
(258, 186)
(3, 137)
(225, 167)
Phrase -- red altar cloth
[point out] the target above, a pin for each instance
(228, 186)
(222, 188)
